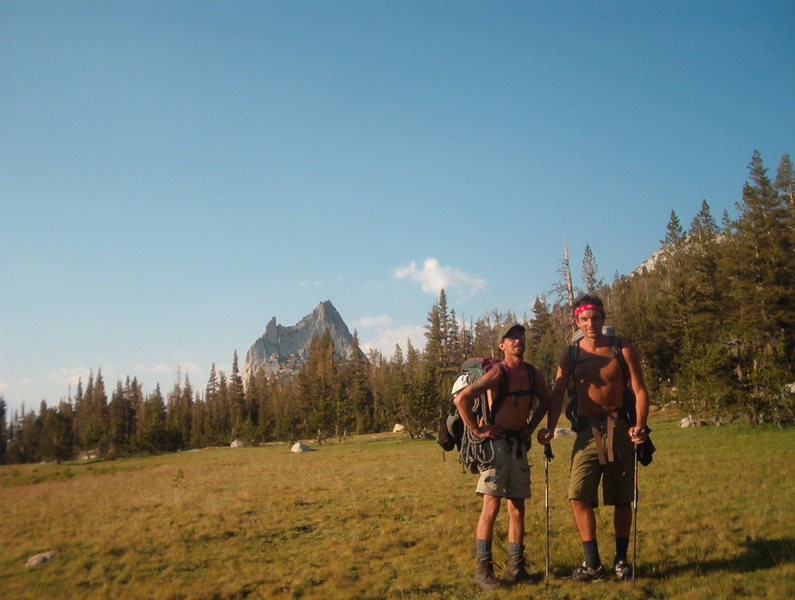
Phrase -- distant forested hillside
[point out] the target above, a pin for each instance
(712, 317)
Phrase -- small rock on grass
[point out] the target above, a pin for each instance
(41, 558)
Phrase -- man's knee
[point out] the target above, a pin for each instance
(580, 506)
(516, 507)
(491, 506)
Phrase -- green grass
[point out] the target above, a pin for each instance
(384, 517)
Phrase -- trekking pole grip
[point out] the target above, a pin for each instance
(548, 451)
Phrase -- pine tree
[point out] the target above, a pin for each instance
(318, 390)
(434, 335)
(262, 393)
(152, 433)
(542, 343)
(55, 440)
(185, 420)
(705, 374)
(359, 394)
(674, 234)
(237, 402)
(762, 285)
(120, 415)
(785, 182)
(589, 271)
(3, 431)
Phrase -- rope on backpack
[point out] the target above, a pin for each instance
(476, 452)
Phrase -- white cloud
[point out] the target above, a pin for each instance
(153, 369)
(433, 278)
(374, 321)
(170, 371)
(70, 376)
(385, 340)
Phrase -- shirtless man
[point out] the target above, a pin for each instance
(605, 442)
(509, 475)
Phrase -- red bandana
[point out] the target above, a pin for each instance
(584, 307)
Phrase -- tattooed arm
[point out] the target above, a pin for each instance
(465, 400)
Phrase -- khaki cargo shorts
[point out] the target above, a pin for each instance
(509, 475)
(617, 476)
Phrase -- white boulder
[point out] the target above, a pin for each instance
(41, 558)
(689, 421)
(300, 447)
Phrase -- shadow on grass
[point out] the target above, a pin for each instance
(757, 555)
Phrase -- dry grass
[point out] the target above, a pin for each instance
(383, 517)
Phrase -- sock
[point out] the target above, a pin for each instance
(591, 554)
(622, 545)
(483, 549)
(515, 549)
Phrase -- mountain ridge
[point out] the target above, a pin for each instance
(283, 349)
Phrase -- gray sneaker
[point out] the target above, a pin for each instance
(623, 570)
(586, 573)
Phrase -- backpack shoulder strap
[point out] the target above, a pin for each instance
(574, 356)
(503, 389)
(504, 385)
(531, 377)
(618, 346)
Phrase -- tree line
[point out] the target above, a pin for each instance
(712, 318)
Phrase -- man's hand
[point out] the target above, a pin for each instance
(488, 431)
(638, 434)
(545, 435)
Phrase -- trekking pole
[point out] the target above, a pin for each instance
(547, 457)
(635, 518)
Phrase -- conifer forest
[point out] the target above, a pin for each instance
(712, 317)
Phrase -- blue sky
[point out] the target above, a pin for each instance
(174, 174)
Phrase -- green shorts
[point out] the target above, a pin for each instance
(617, 476)
(509, 475)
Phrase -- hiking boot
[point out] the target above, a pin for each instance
(586, 573)
(516, 570)
(623, 570)
(484, 575)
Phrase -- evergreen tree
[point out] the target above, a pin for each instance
(434, 336)
(359, 394)
(262, 394)
(589, 271)
(91, 415)
(319, 396)
(237, 402)
(543, 347)
(198, 438)
(3, 431)
(784, 183)
(184, 421)
(761, 275)
(120, 414)
(152, 433)
(174, 414)
(55, 435)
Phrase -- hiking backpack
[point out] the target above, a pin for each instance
(474, 452)
(628, 408)
(627, 411)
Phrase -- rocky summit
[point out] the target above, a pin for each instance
(282, 349)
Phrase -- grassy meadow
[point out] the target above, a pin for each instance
(384, 517)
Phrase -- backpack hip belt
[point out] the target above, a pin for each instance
(514, 439)
(600, 424)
